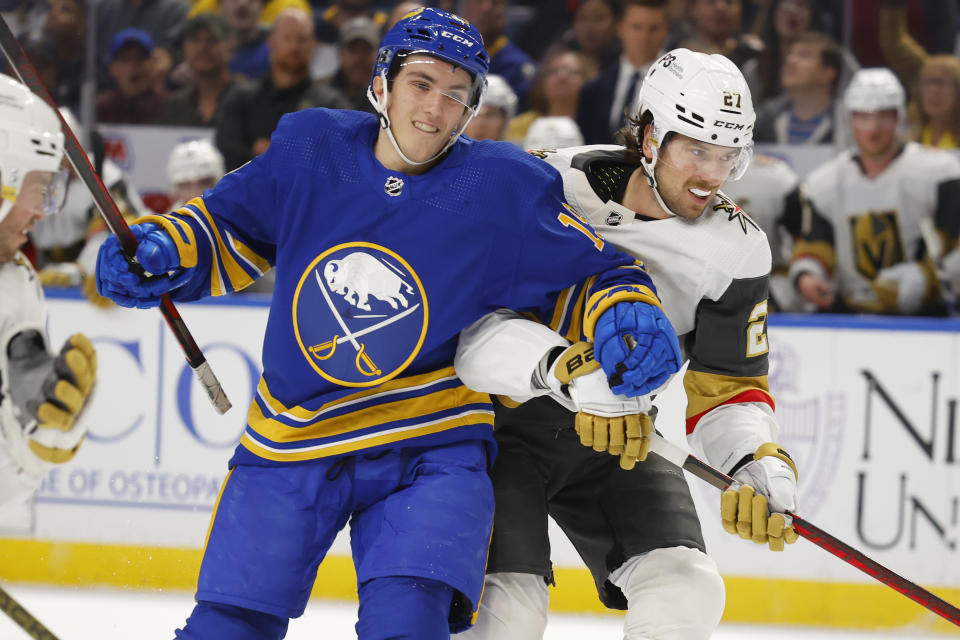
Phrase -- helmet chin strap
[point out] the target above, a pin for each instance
(380, 105)
(648, 171)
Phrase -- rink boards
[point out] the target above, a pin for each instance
(867, 408)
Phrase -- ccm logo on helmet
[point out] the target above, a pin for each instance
(727, 125)
(456, 38)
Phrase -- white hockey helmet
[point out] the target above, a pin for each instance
(194, 160)
(553, 132)
(701, 96)
(876, 89)
(498, 93)
(30, 140)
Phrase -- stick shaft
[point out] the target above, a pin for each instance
(108, 209)
(23, 618)
(814, 534)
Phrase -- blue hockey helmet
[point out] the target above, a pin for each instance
(439, 34)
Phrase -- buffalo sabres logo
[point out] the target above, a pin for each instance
(359, 314)
(734, 212)
(393, 186)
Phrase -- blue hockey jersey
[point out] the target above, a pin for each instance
(377, 273)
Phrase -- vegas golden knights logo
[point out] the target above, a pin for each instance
(876, 241)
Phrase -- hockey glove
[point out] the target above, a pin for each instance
(903, 287)
(50, 393)
(604, 420)
(637, 347)
(125, 284)
(752, 507)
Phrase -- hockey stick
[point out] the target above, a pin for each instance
(23, 618)
(108, 209)
(675, 455)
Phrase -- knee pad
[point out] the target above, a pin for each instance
(672, 594)
(402, 607)
(514, 605)
(213, 621)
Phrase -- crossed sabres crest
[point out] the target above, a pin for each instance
(357, 277)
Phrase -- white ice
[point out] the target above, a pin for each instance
(94, 614)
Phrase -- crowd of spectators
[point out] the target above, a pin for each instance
(563, 72)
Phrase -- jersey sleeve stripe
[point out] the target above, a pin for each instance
(820, 251)
(707, 391)
(236, 278)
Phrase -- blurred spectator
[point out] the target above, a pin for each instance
(162, 19)
(41, 50)
(499, 106)
(934, 110)
(249, 115)
(552, 133)
(933, 24)
(787, 21)
(66, 26)
(556, 91)
(327, 25)
(808, 112)
(770, 193)
(135, 98)
(193, 167)
(882, 220)
(537, 35)
(206, 54)
(715, 28)
(594, 32)
(267, 14)
(506, 58)
(399, 10)
(24, 17)
(359, 39)
(247, 40)
(604, 103)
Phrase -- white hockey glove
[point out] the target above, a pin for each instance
(752, 507)
(605, 421)
(903, 287)
(49, 393)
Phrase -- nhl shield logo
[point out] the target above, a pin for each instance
(393, 186)
(359, 314)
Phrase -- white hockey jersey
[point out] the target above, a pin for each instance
(860, 225)
(712, 278)
(22, 310)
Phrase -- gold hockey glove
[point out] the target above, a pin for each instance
(605, 421)
(753, 506)
(65, 392)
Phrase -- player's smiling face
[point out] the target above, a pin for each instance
(427, 102)
(690, 172)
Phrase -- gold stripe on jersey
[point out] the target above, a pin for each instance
(579, 308)
(181, 233)
(818, 250)
(467, 418)
(238, 277)
(707, 391)
(391, 387)
(371, 416)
